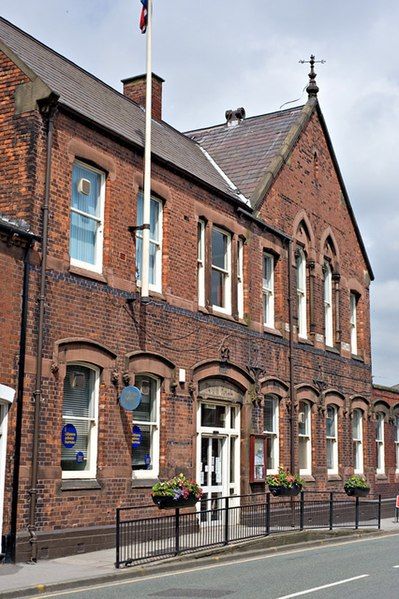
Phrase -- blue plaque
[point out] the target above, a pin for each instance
(69, 436)
(80, 457)
(130, 398)
(137, 436)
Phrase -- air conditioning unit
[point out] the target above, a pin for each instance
(84, 186)
(301, 417)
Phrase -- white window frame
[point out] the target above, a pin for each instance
(273, 436)
(268, 291)
(328, 308)
(301, 294)
(380, 442)
(334, 440)
(157, 286)
(201, 262)
(357, 442)
(99, 245)
(397, 442)
(226, 272)
(308, 436)
(92, 449)
(353, 322)
(153, 472)
(240, 278)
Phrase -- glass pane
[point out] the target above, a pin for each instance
(330, 422)
(78, 392)
(216, 464)
(213, 415)
(269, 415)
(69, 458)
(140, 203)
(379, 427)
(330, 454)
(90, 203)
(271, 453)
(233, 414)
(267, 271)
(217, 291)
(232, 460)
(83, 238)
(205, 470)
(303, 453)
(303, 425)
(142, 455)
(356, 425)
(199, 242)
(219, 249)
(146, 412)
(139, 256)
(155, 210)
(153, 264)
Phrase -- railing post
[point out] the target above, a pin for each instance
(357, 513)
(331, 514)
(118, 521)
(267, 504)
(177, 531)
(226, 521)
(301, 510)
(379, 512)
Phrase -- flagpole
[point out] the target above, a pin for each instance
(147, 161)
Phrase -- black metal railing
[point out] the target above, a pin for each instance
(224, 520)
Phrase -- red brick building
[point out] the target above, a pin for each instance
(258, 322)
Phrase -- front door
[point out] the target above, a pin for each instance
(212, 476)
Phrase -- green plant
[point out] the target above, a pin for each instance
(284, 478)
(177, 487)
(356, 482)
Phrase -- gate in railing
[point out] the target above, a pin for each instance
(226, 520)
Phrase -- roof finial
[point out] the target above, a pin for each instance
(312, 88)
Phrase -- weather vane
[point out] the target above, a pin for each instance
(312, 88)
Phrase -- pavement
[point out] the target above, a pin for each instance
(24, 579)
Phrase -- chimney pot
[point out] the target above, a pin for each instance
(234, 117)
(135, 89)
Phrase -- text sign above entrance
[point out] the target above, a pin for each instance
(218, 389)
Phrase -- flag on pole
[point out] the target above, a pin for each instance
(144, 16)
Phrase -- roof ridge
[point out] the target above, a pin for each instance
(255, 116)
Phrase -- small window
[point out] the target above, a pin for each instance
(221, 271)
(155, 249)
(145, 429)
(357, 439)
(87, 217)
(201, 262)
(79, 422)
(240, 278)
(328, 308)
(271, 429)
(268, 290)
(353, 322)
(379, 438)
(304, 432)
(332, 440)
(301, 294)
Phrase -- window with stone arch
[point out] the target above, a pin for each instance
(302, 250)
(332, 439)
(331, 292)
(357, 440)
(305, 437)
(271, 429)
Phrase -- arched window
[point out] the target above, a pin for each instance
(379, 439)
(145, 428)
(353, 322)
(357, 439)
(301, 293)
(328, 307)
(271, 429)
(332, 439)
(305, 440)
(80, 421)
(268, 289)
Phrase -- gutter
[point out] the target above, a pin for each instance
(48, 109)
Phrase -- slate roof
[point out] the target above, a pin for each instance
(92, 98)
(245, 151)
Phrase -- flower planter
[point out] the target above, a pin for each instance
(166, 502)
(357, 492)
(286, 491)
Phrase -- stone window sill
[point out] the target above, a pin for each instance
(307, 478)
(144, 483)
(304, 341)
(357, 358)
(88, 274)
(333, 350)
(381, 477)
(272, 331)
(75, 484)
(334, 477)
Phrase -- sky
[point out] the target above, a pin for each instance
(221, 54)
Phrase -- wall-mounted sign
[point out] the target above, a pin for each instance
(130, 398)
(137, 436)
(219, 389)
(69, 436)
(79, 457)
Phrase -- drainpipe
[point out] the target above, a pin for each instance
(50, 110)
(291, 360)
(11, 537)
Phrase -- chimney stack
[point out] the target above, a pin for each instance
(234, 117)
(134, 88)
